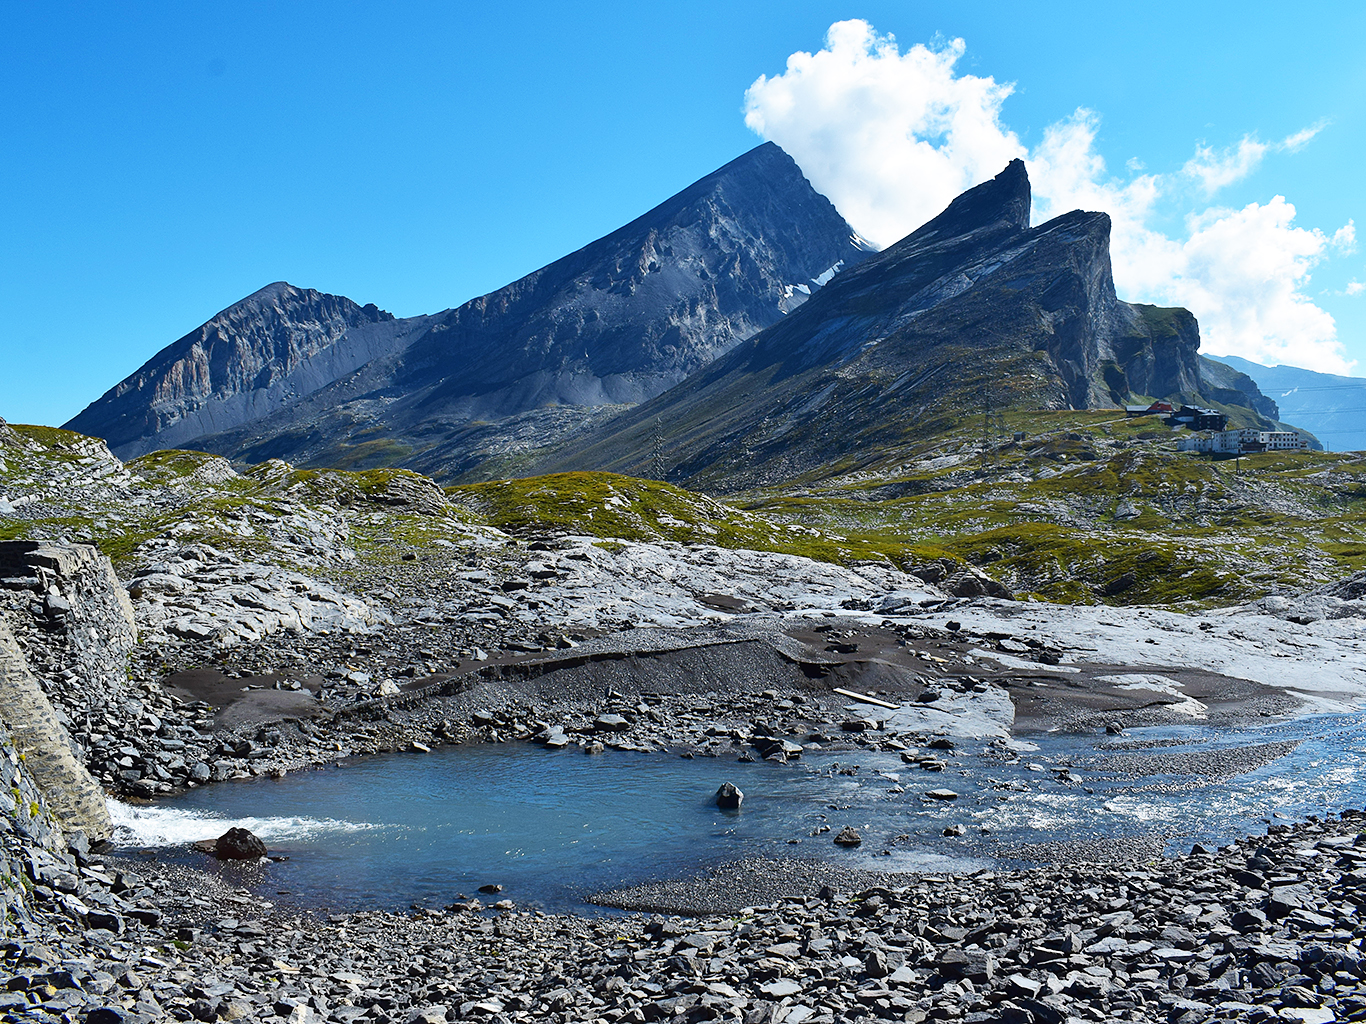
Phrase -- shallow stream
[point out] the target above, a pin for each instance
(553, 827)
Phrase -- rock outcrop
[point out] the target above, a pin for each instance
(202, 594)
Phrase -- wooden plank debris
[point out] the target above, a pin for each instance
(866, 699)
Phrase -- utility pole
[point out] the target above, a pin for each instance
(990, 418)
(657, 453)
(986, 427)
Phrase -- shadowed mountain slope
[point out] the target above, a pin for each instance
(974, 310)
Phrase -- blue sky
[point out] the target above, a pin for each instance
(161, 161)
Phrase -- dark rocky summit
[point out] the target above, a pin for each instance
(975, 310)
(269, 349)
(320, 380)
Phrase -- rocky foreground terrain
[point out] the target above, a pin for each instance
(254, 623)
(1261, 930)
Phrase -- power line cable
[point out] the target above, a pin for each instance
(1319, 387)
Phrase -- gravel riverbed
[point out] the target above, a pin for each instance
(1266, 928)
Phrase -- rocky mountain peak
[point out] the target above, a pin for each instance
(1003, 203)
(636, 311)
(975, 307)
(243, 359)
(613, 323)
(285, 301)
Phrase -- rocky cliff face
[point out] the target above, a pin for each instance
(316, 379)
(1223, 383)
(272, 347)
(978, 276)
(972, 311)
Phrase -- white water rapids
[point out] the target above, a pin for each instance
(154, 826)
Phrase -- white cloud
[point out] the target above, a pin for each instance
(1215, 170)
(1345, 238)
(1243, 272)
(1355, 287)
(1295, 143)
(892, 137)
(1067, 174)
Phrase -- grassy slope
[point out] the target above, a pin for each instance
(1093, 506)
(1089, 507)
(609, 505)
(266, 514)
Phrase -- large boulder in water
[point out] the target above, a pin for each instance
(729, 797)
(848, 837)
(234, 844)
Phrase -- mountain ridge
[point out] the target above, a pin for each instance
(256, 352)
(971, 310)
(1333, 406)
(614, 322)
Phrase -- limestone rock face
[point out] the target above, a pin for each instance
(198, 593)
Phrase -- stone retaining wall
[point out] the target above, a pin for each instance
(41, 740)
(29, 837)
(76, 620)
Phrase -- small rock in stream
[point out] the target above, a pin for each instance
(848, 836)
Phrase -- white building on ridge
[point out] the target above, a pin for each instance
(1243, 442)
